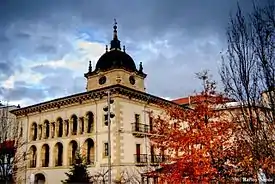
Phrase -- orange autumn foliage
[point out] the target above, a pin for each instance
(198, 140)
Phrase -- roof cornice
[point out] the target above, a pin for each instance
(89, 95)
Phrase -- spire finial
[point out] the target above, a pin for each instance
(115, 29)
(115, 24)
(90, 66)
(123, 48)
(106, 48)
(115, 43)
(140, 67)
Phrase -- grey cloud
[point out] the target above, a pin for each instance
(8, 68)
(60, 81)
(3, 39)
(21, 92)
(22, 35)
(174, 76)
(49, 49)
(34, 28)
(144, 17)
(49, 70)
(5, 68)
(19, 41)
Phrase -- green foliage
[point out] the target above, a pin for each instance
(78, 174)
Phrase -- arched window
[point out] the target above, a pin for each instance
(39, 178)
(47, 129)
(60, 127)
(58, 151)
(72, 152)
(74, 124)
(33, 156)
(34, 131)
(90, 122)
(45, 155)
(89, 150)
(53, 129)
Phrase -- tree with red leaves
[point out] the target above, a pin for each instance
(198, 139)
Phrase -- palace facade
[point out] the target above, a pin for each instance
(55, 130)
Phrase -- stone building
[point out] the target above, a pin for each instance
(7, 122)
(56, 129)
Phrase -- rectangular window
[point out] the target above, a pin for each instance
(152, 154)
(137, 118)
(138, 153)
(137, 122)
(106, 149)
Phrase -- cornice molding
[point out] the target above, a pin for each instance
(97, 94)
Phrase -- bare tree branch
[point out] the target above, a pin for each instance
(248, 75)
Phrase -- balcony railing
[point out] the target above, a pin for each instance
(45, 163)
(142, 159)
(139, 129)
(32, 163)
(157, 159)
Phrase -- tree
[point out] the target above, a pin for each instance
(78, 173)
(127, 175)
(248, 75)
(197, 139)
(100, 176)
(10, 142)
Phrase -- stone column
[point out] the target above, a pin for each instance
(64, 128)
(39, 132)
(44, 131)
(51, 130)
(79, 126)
(51, 157)
(70, 122)
(31, 133)
(85, 119)
(56, 128)
(38, 157)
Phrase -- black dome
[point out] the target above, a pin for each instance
(115, 59)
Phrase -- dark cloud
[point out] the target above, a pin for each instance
(3, 39)
(8, 68)
(22, 91)
(59, 81)
(21, 35)
(195, 30)
(49, 49)
(49, 70)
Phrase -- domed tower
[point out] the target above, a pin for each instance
(115, 66)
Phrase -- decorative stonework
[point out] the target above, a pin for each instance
(88, 96)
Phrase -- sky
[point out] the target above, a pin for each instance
(45, 45)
